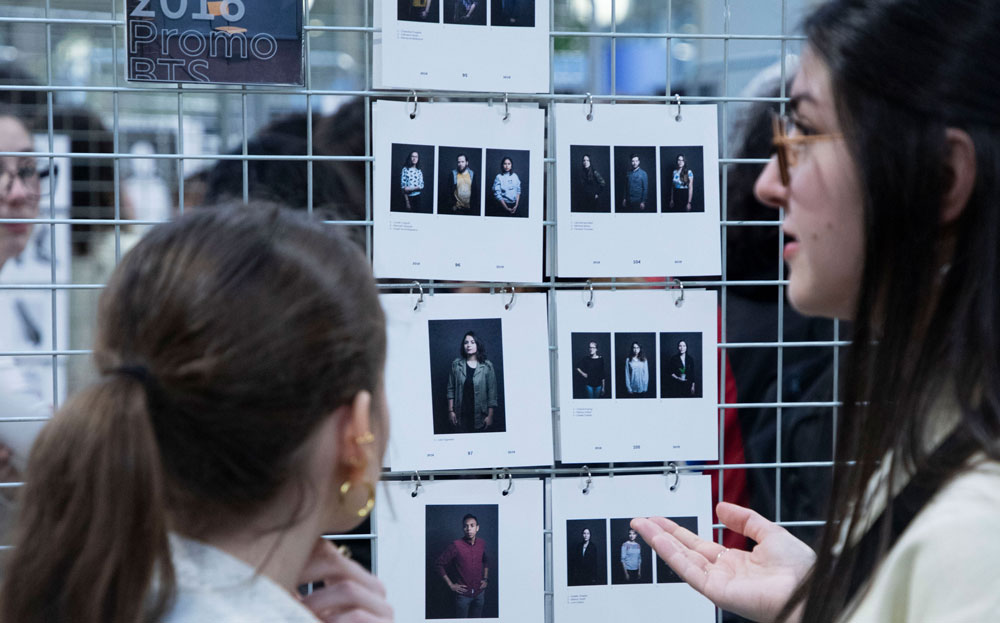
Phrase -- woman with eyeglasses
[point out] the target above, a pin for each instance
(887, 168)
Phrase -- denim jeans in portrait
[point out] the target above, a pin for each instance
(594, 392)
(468, 607)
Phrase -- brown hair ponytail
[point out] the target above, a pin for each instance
(93, 530)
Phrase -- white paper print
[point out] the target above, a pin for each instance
(600, 572)
(638, 375)
(462, 45)
(458, 191)
(503, 416)
(637, 191)
(421, 539)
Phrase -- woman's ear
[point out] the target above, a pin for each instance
(355, 437)
(961, 162)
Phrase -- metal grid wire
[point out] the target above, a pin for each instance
(338, 53)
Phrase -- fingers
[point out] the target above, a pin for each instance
(349, 601)
(746, 522)
(329, 566)
(708, 549)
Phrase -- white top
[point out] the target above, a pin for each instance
(216, 587)
(943, 567)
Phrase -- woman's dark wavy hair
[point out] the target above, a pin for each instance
(225, 339)
(480, 347)
(504, 159)
(406, 161)
(640, 356)
(927, 321)
(684, 169)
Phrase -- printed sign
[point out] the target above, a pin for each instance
(230, 41)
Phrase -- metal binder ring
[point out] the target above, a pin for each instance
(506, 108)
(510, 303)
(672, 470)
(415, 478)
(413, 113)
(590, 480)
(420, 299)
(677, 98)
(510, 481)
(590, 105)
(590, 285)
(680, 286)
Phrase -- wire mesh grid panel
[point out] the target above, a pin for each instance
(127, 155)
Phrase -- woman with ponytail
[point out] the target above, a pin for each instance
(888, 170)
(239, 415)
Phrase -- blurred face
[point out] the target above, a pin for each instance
(414, 159)
(586, 162)
(823, 226)
(586, 535)
(592, 348)
(462, 163)
(469, 346)
(507, 165)
(680, 162)
(470, 528)
(19, 188)
(631, 535)
(682, 347)
(635, 349)
(635, 162)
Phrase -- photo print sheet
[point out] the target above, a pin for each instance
(462, 550)
(604, 571)
(637, 191)
(638, 375)
(458, 191)
(462, 45)
(468, 381)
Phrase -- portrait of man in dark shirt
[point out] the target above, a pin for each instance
(464, 567)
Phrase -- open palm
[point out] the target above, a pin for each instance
(754, 584)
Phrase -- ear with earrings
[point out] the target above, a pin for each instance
(359, 463)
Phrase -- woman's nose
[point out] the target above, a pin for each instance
(768, 188)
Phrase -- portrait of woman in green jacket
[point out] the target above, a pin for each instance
(472, 387)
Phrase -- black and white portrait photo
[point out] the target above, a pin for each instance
(418, 11)
(591, 175)
(460, 180)
(664, 574)
(412, 179)
(586, 552)
(635, 180)
(466, 359)
(682, 170)
(591, 359)
(462, 555)
(513, 13)
(635, 365)
(465, 12)
(506, 173)
(681, 368)
(631, 557)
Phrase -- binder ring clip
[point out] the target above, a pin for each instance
(510, 481)
(672, 470)
(590, 107)
(590, 285)
(420, 299)
(677, 98)
(415, 479)
(510, 303)
(590, 480)
(413, 113)
(676, 283)
(506, 108)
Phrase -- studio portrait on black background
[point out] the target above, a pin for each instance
(635, 365)
(591, 174)
(586, 552)
(664, 574)
(681, 368)
(465, 12)
(507, 193)
(418, 11)
(632, 558)
(413, 170)
(461, 180)
(462, 559)
(591, 365)
(682, 170)
(513, 13)
(635, 180)
(467, 376)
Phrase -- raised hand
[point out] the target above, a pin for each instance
(754, 584)
(350, 594)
